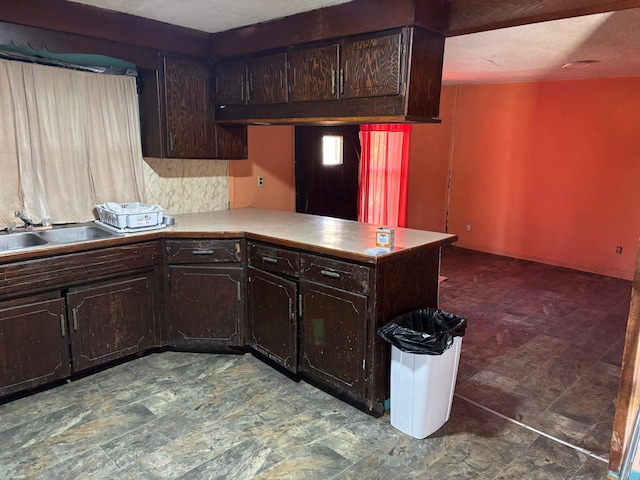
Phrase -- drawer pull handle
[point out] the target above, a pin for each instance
(63, 325)
(203, 252)
(269, 260)
(327, 273)
(74, 312)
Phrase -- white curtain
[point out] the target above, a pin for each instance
(68, 140)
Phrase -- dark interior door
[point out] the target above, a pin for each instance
(330, 190)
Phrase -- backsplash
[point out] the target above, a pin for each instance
(187, 186)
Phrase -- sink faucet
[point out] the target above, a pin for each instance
(27, 221)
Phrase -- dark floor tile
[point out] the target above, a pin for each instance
(155, 466)
(310, 462)
(469, 422)
(566, 368)
(91, 464)
(561, 427)
(544, 459)
(109, 425)
(379, 467)
(583, 403)
(26, 462)
(131, 447)
(41, 429)
(597, 438)
(592, 469)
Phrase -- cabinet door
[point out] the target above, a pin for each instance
(230, 81)
(231, 142)
(206, 305)
(313, 74)
(273, 316)
(267, 79)
(189, 107)
(333, 331)
(110, 320)
(371, 67)
(34, 349)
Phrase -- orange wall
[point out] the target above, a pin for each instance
(429, 159)
(549, 171)
(546, 171)
(270, 155)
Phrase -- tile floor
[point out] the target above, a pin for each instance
(543, 348)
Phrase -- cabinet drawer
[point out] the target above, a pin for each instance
(335, 273)
(203, 251)
(273, 259)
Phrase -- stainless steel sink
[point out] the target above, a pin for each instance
(73, 234)
(13, 242)
(18, 241)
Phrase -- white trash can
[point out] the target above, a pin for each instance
(422, 389)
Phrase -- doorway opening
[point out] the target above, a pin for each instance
(326, 170)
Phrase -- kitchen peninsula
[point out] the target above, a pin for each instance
(297, 289)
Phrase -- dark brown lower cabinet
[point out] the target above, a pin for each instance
(34, 347)
(316, 315)
(273, 317)
(333, 330)
(206, 305)
(110, 320)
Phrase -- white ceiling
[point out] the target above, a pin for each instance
(609, 41)
(538, 51)
(211, 15)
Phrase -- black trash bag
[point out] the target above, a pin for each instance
(427, 331)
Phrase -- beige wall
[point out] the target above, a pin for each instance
(271, 154)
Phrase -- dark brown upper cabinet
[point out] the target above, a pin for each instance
(189, 105)
(388, 76)
(371, 66)
(313, 73)
(267, 79)
(177, 113)
(231, 141)
(230, 83)
(257, 81)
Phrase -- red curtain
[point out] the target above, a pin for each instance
(384, 166)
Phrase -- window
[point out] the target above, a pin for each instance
(332, 149)
(70, 140)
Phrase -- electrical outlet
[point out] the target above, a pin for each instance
(468, 227)
(619, 250)
(260, 181)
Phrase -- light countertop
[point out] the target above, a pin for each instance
(325, 235)
(344, 236)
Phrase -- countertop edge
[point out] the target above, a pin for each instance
(205, 233)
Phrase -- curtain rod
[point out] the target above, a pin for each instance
(7, 55)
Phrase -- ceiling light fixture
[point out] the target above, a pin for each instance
(578, 64)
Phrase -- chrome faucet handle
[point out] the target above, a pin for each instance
(27, 221)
